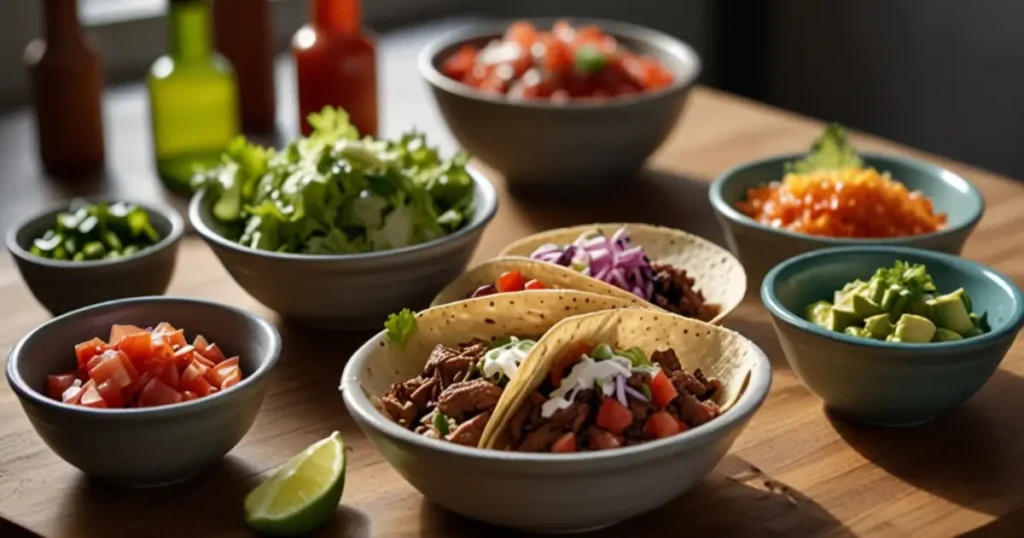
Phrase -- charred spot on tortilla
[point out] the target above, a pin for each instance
(489, 321)
(492, 303)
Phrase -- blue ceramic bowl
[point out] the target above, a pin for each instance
(759, 247)
(887, 383)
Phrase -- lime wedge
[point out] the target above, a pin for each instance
(303, 494)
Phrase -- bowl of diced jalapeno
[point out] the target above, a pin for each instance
(89, 252)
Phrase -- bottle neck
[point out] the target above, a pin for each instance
(189, 30)
(62, 21)
(337, 16)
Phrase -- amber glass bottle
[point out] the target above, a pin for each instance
(244, 34)
(193, 97)
(336, 63)
(67, 84)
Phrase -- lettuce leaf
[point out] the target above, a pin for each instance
(336, 193)
(400, 326)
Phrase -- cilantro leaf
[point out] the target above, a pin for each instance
(400, 326)
(831, 151)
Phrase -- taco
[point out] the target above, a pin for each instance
(443, 371)
(618, 378)
(514, 273)
(673, 270)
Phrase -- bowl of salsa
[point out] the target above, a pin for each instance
(557, 102)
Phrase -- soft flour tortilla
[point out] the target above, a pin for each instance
(553, 276)
(527, 315)
(718, 352)
(716, 272)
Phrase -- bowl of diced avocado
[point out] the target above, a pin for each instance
(892, 335)
(88, 252)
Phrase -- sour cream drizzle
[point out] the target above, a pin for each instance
(587, 373)
(507, 358)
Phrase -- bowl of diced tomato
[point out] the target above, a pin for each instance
(144, 391)
(560, 103)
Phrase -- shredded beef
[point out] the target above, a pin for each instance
(468, 433)
(685, 382)
(674, 291)
(465, 397)
(667, 360)
(541, 438)
(693, 411)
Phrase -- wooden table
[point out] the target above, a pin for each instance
(794, 472)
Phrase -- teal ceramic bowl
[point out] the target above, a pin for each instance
(887, 383)
(759, 247)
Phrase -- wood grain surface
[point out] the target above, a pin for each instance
(795, 471)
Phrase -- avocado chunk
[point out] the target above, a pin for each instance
(859, 305)
(874, 291)
(946, 335)
(950, 312)
(920, 307)
(817, 313)
(853, 330)
(879, 326)
(914, 329)
(840, 318)
(849, 289)
(976, 331)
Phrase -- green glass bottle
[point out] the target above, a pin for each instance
(193, 97)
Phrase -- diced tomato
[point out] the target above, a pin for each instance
(200, 343)
(231, 379)
(117, 332)
(162, 350)
(213, 353)
(110, 367)
(660, 425)
(91, 396)
(198, 385)
(138, 347)
(168, 373)
(683, 426)
(188, 396)
(88, 350)
(203, 360)
(598, 439)
(521, 33)
(57, 384)
(157, 393)
(175, 338)
(72, 395)
(662, 390)
(510, 281)
(564, 31)
(571, 356)
(183, 356)
(135, 388)
(221, 371)
(163, 328)
(110, 393)
(613, 416)
(459, 64)
(565, 443)
(534, 285)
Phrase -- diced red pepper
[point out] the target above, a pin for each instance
(662, 390)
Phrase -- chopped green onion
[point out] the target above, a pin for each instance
(590, 60)
(646, 390)
(441, 423)
(602, 352)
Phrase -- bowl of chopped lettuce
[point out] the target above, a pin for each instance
(336, 230)
(892, 335)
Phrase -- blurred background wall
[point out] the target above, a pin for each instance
(940, 75)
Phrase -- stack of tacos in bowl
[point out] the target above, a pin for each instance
(671, 269)
(436, 439)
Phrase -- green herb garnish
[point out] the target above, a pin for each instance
(590, 60)
(400, 326)
(95, 232)
(831, 151)
(637, 357)
(440, 423)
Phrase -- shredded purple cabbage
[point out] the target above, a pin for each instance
(610, 260)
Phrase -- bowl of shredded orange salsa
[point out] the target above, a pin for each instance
(850, 203)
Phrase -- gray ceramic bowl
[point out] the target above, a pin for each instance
(62, 286)
(352, 291)
(562, 145)
(145, 446)
(760, 247)
(554, 493)
(888, 383)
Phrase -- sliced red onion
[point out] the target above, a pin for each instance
(620, 394)
(610, 260)
(546, 248)
(635, 393)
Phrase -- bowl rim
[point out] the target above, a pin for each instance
(359, 404)
(961, 265)
(495, 27)
(476, 224)
(22, 389)
(945, 175)
(177, 231)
